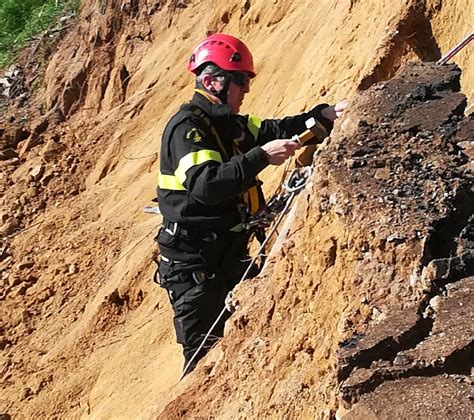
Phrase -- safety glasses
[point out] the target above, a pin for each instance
(240, 78)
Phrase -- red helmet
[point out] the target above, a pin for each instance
(226, 51)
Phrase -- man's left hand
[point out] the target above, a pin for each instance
(335, 111)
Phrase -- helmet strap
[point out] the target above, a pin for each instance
(222, 94)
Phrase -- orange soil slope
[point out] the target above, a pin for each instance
(84, 332)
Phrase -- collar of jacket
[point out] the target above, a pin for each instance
(212, 109)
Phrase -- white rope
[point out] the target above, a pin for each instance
(292, 191)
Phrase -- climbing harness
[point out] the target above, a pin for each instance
(451, 53)
(278, 205)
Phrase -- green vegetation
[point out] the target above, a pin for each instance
(20, 20)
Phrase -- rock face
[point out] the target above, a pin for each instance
(439, 397)
(432, 196)
(388, 221)
(354, 304)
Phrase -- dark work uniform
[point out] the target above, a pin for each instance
(206, 187)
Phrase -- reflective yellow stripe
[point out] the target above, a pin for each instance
(254, 124)
(195, 158)
(169, 182)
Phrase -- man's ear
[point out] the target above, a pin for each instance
(208, 82)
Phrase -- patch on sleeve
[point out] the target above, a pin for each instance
(195, 135)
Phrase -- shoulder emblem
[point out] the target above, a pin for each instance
(194, 135)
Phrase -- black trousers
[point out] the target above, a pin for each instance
(198, 275)
(196, 306)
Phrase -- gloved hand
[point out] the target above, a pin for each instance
(335, 111)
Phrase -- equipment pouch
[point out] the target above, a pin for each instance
(176, 248)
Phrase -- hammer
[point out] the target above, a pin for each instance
(314, 130)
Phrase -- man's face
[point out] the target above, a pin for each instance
(238, 87)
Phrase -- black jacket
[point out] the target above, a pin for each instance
(210, 159)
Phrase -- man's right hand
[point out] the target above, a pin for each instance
(278, 151)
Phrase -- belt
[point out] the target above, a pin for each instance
(179, 230)
(176, 289)
(170, 261)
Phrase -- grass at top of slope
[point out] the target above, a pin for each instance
(22, 20)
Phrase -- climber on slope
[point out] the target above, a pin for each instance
(208, 186)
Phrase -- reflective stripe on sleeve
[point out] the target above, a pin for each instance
(170, 182)
(254, 124)
(193, 159)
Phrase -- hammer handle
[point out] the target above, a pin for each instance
(305, 136)
(318, 131)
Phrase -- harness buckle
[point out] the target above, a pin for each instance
(173, 226)
(200, 277)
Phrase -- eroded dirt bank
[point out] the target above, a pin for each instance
(84, 332)
(370, 295)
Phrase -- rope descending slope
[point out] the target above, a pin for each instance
(279, 204)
